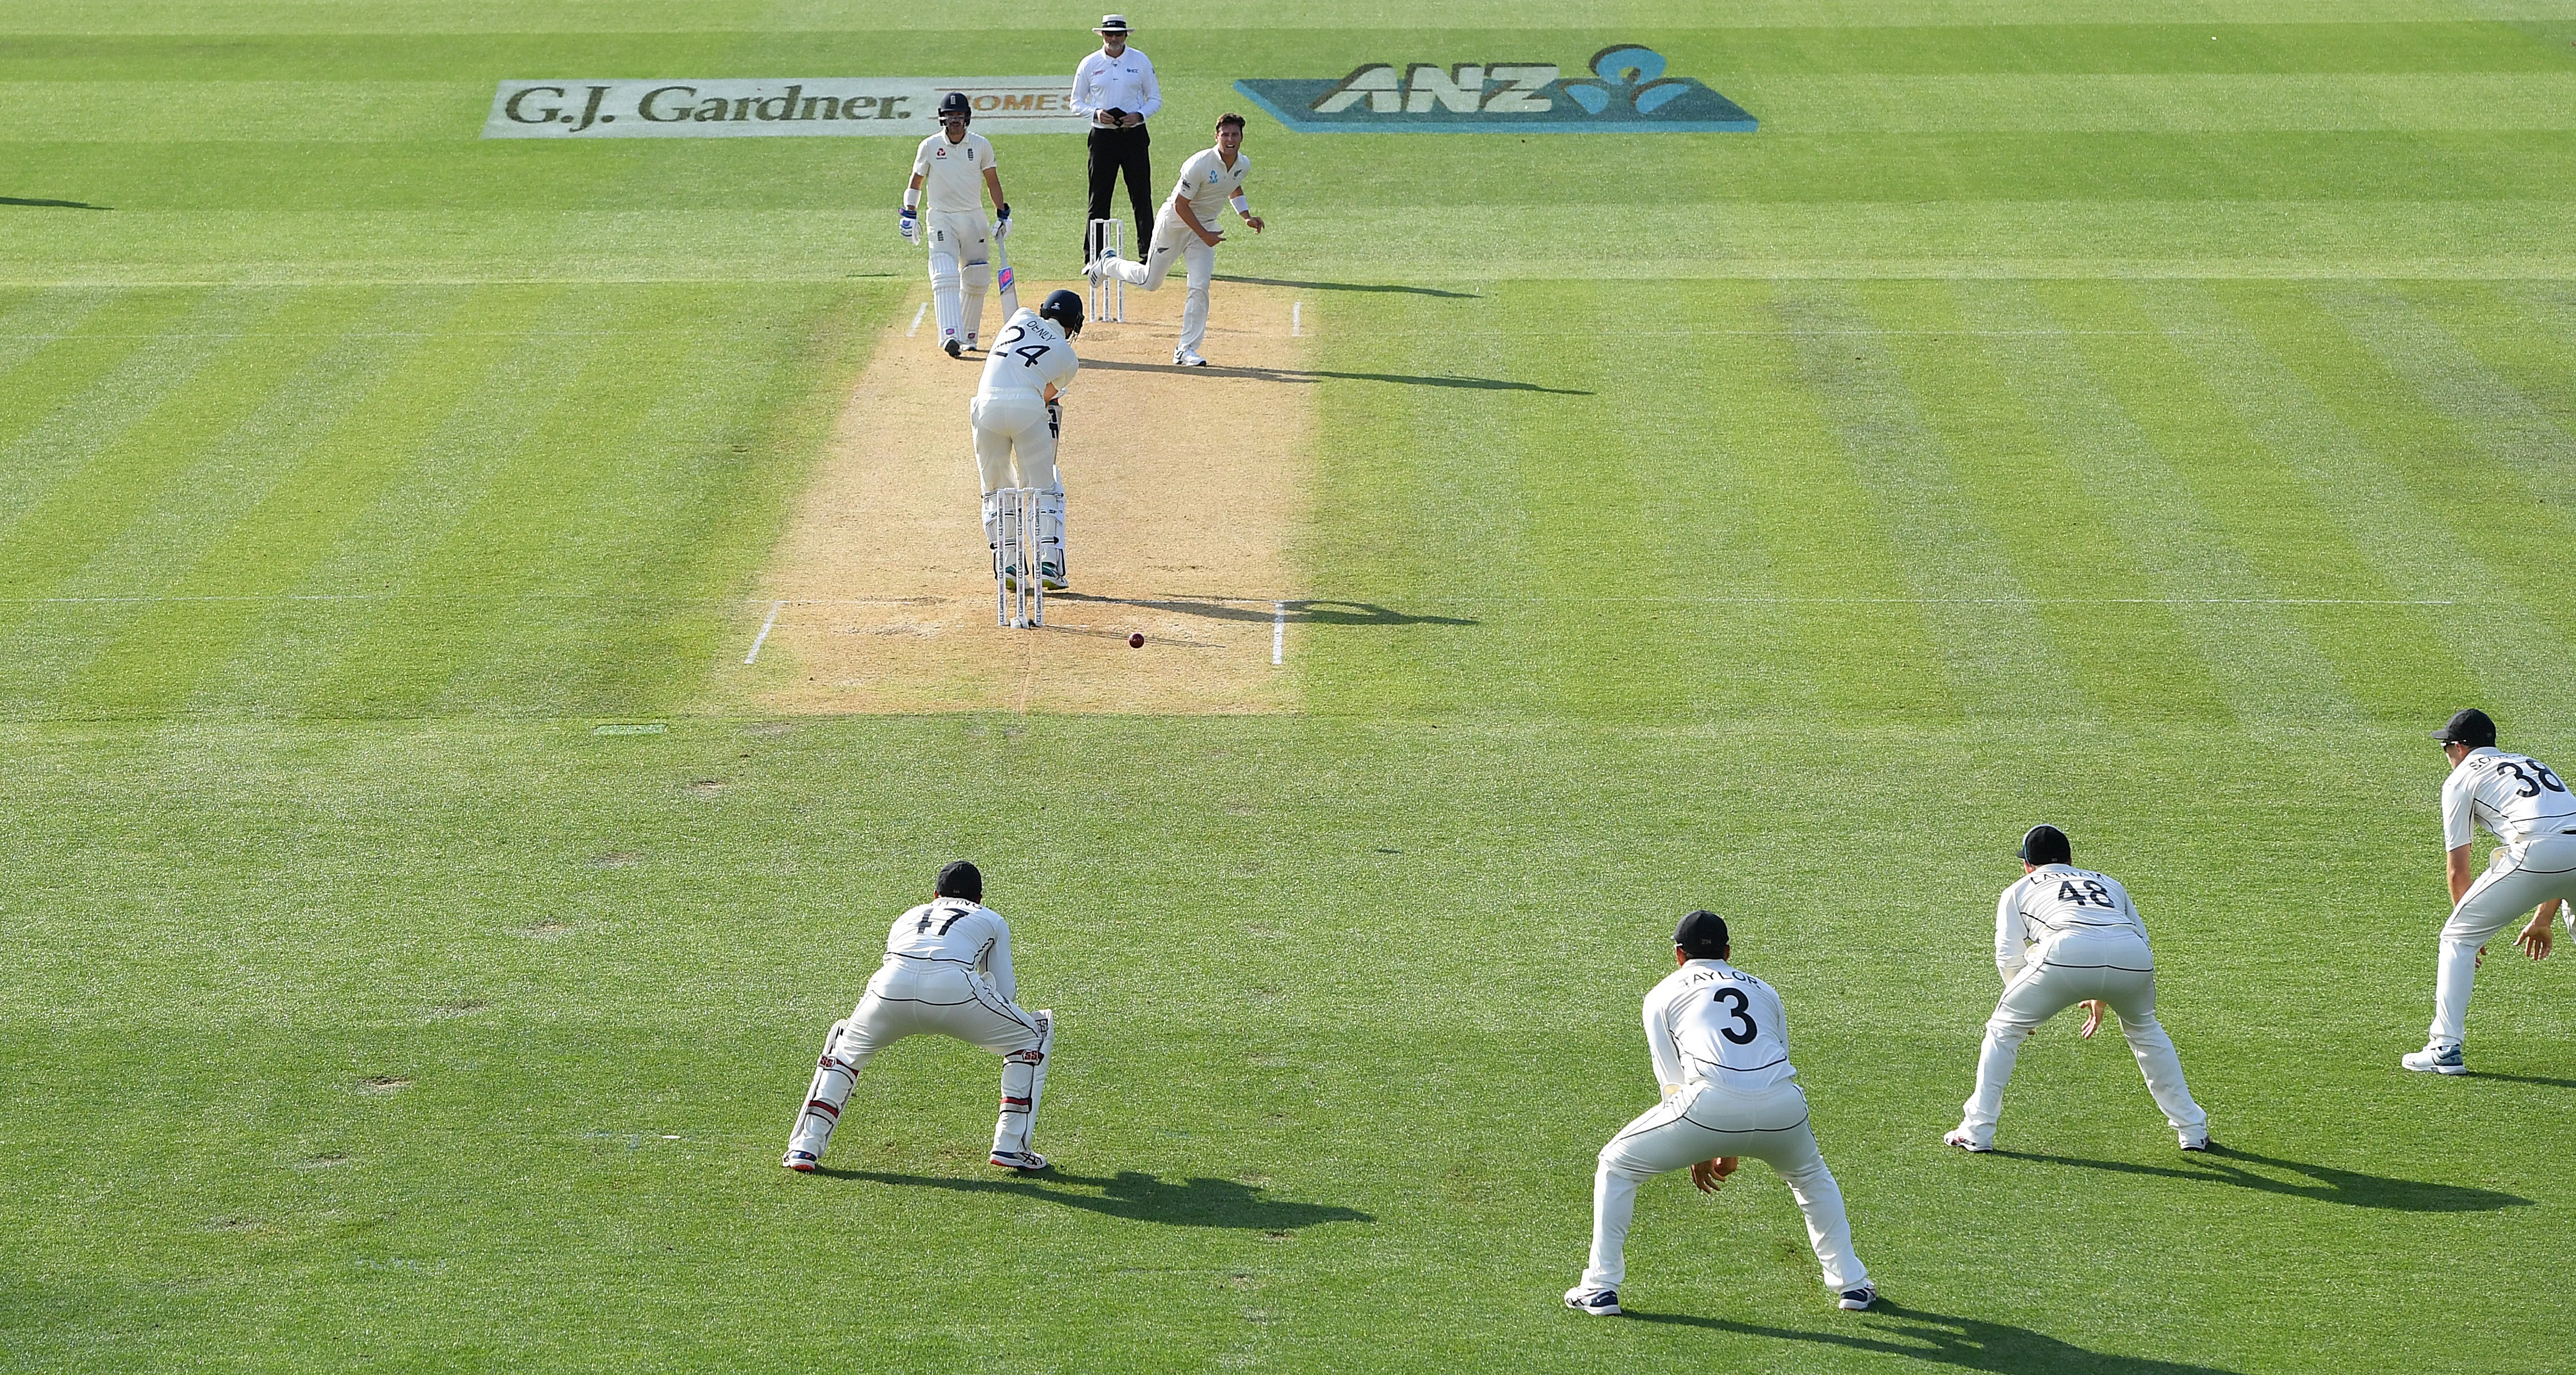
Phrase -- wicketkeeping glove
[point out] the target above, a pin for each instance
(1002, 226)
(909, 225)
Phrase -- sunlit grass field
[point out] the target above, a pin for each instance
(2083, 412)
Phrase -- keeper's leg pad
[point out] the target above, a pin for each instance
(1024, 1087)
(830, 1089)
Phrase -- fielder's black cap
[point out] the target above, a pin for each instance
(2045, 844)
(1702, 935)
(960, 879)
(2469, 726)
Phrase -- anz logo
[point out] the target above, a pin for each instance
(1627, 92)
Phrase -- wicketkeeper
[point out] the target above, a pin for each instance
(947, 972)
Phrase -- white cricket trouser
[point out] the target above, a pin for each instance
(2516, 881)
(2114, 967)
(910, 997)
(1173, 242)
(1702, 1122)
(1015, 447)
(961, 265)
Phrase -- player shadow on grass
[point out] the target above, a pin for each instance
(1295, 610)
(1141, 1197)
(1388, 287)
(1313, 375)
(2331, 1185)
(1941, 1339)
(59, 205)
(2542, 1080)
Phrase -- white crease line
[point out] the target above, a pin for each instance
(916, 320)
(1296, 310)
(763, 637)
(1278, 630)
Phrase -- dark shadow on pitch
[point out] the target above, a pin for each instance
(56, 205)
(1381, 287)
(1298, 611)
(2324, 1183)
(1968, 1343)
(2542, 1080)
(1140, 1197)
(1310, 376)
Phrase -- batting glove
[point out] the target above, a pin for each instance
(909, 225)
(1002, 226)
(1055, 419)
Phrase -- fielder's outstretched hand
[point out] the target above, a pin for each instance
(1708, 1174)
(1255, 221)
(2536, 939)
(2093, 1008)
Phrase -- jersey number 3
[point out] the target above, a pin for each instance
(1738, 1004)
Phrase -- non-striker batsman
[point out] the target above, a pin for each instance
(956, 168)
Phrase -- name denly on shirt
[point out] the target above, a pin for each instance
(678, 105)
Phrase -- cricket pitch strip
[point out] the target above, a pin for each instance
(1183, 488)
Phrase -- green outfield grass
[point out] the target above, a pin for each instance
(2090, 412)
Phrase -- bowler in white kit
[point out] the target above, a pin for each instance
(947, 972)
(1720, 1045)
(1185, 231)
(956, 168)
(1017, 419)
(2066, 936)
(2526, 806)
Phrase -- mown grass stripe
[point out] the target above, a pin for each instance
(2272, 678)
(56, 661)
(38, 317)
(2509, 426)
(2515, 657)
(2390, 657)
(1998, 652)
(78, 393)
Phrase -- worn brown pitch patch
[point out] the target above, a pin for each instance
(1184, 489)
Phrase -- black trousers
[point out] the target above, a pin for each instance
(1114, 151)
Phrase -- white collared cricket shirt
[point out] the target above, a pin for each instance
(952, 174)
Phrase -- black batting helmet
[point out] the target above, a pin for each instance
(1065, 308)
(956, 103)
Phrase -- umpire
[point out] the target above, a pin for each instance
(1115, 87)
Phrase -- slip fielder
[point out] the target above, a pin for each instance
(1721, 1050)
(947, 972)
(1017, 419)
(1185, 231)
(2530, 812)
(957, 169)
(2065, 936)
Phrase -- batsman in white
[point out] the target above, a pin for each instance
(1721, 1050)
(1017, 419)
(957, 169)
(947, 972)
(2533, 818)
(1185, 230)
(2066, 936)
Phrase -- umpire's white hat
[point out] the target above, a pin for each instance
(1112, 23)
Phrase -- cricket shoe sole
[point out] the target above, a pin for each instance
(802, 1162)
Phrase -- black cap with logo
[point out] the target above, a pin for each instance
(2469, 726)
(1702, 935)
(2045, 844)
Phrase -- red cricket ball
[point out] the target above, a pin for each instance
(1136, 639)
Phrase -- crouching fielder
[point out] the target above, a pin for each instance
(1721, 1050)
(1017, 419)
(1186, 231)
(2065, 936)
(947, 972)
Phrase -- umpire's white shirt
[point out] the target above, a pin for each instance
(2077, 915)
(1710, 1022)
(1125, 82)
(951, 934)
(2516, 797)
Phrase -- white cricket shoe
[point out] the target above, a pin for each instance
(1966, 1140)
(2436, 1060)
(1183, 358)
(802, 1162)
(1858, 1297)
(2198, 1143)
(1600, 1303)
(1026, 1162)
